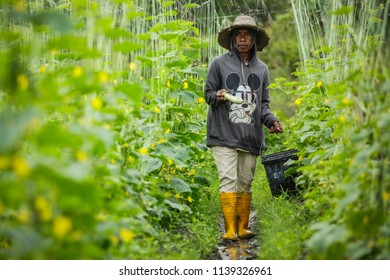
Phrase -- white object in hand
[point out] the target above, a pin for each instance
(232, 98)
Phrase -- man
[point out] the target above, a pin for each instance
(238, 98)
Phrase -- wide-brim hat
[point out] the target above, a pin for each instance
(225, 35)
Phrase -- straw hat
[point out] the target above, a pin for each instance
(224, 36)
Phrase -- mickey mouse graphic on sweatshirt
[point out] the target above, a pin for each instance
(242, 113)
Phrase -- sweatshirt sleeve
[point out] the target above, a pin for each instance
(267, 117)
(213, 84)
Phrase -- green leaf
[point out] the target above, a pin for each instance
(273, 86)
(116, 33)
(134, 14)
(25, 241)
(177, 63)
(376, 20)
(345, 10)
(147, 61)
(13, 126)
(51, 137)
(179, 185)
(174, 205)
(54, 19)
(132, 90)
(168, 3)
(203, 181)
(126, 47)
(188, 97)
(151, 164)
(179, 109)
(191, 5)
(169, 36)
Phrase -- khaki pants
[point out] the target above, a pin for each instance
(236, 169)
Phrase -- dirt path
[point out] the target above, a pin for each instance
(244, 249)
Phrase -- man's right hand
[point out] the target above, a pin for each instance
(220, 96)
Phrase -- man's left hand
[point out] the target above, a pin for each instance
(276, 128)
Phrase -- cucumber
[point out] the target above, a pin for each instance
(232, 98)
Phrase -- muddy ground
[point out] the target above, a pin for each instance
(244, 249)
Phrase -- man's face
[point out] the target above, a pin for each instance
(244, 40)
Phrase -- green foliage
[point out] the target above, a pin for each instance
(101, 153)
(281, 230)
(340, 132)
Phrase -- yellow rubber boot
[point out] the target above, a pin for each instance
(228, 206)
(243, 211)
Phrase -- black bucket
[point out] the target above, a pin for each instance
(275, 169)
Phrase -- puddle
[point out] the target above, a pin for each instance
(239, 250)
(243, 249)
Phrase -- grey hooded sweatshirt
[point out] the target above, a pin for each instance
(238, 125)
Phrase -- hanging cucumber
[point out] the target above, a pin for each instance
(232, 98)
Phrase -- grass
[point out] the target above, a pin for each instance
(281, 226)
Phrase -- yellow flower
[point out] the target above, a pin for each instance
(346, 101)
(185, 85)
(326, 100)
(130, 158)
(101, 217)
(191, 172)
(20, 167)
(167, 194)
(200, 100)
(298, 102)
(168, 84)
(97, 103)
(178, 195)
(126, 145)
(4, 162)
(170, 162)
(156, 109)
(126, 235)
(342, 119)
(24, 216)
(77, 71)
(81, 156)
(61, 226)
(113, 161)
(43, 208)
(152, 146)
(160, 141)
(189, 198)
(42, 69)
(385, 196)
(143, 151)
(132, 66)
(77, 235)
(103, 77)
(114, 240)
(22, 81)
(319, 84)
(167, 131)
(5, 243)
(20, 6)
